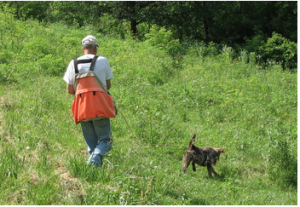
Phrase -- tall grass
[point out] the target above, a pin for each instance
(231, 103)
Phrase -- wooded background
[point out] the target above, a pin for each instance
(267, 28)
(227, 22)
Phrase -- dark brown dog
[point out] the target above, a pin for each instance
(207, 156)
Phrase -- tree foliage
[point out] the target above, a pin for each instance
(234, 23)
(39, 10)
(281, 50)
(224, 21)
(136, 12)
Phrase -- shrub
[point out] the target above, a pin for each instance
(279, 49)
(227, 53)
(253, 44)
(211, 50)
(283, 164)
(244, 56)
(161, 38)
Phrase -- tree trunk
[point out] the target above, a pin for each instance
(205, 22)
(133, 26)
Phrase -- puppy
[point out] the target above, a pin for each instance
(207, 156)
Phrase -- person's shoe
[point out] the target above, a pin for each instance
(92, 163)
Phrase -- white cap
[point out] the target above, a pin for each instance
(89, 40)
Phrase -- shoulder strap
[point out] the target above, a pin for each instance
(93, 63)
(76, 66)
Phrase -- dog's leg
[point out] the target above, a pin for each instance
(209, 169)
(214, 172)
(194, 166)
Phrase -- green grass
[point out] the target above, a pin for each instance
(250, 111)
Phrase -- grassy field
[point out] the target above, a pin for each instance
(230, 103)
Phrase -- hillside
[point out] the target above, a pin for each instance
(163, 100)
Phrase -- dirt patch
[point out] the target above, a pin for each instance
(67, 180)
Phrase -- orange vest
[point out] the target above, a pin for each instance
(92, 101)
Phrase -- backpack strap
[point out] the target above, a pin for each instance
(76, 66)
(92, 61)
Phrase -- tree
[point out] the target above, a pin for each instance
(226, 22)
(28, 9)
(77, 12)
(135, 12)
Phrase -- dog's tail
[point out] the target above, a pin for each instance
(192, 141)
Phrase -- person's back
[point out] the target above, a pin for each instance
(102, 69)
(97, 133)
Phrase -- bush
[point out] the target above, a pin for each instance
(253, 44)
(211, 50)
(283, 164)
(280, 50)
(161, 38)
(227, 53)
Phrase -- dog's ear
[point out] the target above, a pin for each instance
(221, 150)
(192, 141)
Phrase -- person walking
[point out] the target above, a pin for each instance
(97, 133)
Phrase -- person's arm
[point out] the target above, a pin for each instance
(70, 89)
(108, 84)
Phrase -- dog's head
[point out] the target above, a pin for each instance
(188, 156)
(221, 150)
(217, 154)
(189, 151)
